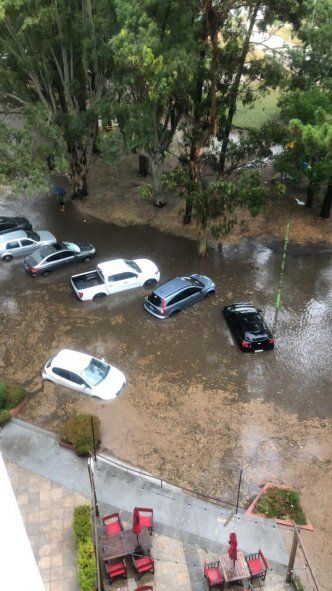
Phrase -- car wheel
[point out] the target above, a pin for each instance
(7, 258)
(45, 273)
(175, 312)
(150, 283)
(86, 259)
(209, 293)
(99, 295)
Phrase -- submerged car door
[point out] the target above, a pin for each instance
(13, 248)
(63, 377)
(191, 295)
(121, 281)
(28, 245)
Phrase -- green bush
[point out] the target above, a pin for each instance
(81, 523)
(14, 395)
(86, 566)
(86, 559)
(5, 416)
(77, 431)
(2, 395)
(11, 395)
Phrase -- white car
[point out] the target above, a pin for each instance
(22, 242)
(115, 276)
(84, 373)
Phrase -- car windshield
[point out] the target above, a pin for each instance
(36, 257)
(133, 265)
(96, 372)
(72, 246)
(33, 236)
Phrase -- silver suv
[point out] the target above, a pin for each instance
(177, 294)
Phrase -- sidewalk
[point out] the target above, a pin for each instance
(177, 515)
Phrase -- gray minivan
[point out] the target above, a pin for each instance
(178, 293)
(22, 242)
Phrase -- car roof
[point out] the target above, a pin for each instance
(72, 360)
(115, 266)
(172, 286)
(13, 235)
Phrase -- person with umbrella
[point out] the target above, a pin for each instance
(61, 193)
(232, 550)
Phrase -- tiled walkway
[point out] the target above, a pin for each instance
(47, 511)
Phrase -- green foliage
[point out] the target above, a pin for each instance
(146, 192)
(5, 416)
(282, 504)
(11, 395)
(81, 523)
(77, 431)
(2, 395)
(86, 559)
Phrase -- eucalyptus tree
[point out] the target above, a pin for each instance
(230, 70)
(55, 63)
(155, 57)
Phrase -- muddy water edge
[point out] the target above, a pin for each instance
(195, 409)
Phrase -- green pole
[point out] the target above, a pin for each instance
(282, 269)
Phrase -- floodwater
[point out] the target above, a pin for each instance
(191, 393)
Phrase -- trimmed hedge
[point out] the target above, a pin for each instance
(77, 431)
(11, 395)
(86, 559)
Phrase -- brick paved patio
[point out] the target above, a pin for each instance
(47, 511)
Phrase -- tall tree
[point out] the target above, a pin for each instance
(229, 71)
(154, 61)
(55, 56)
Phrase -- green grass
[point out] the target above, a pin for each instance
(281, 503)
(264, 108)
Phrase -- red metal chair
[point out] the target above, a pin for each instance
(145, 588)
(213, 574)
(146, 518)
(116, 570)
(112, 523)
(257, 565)
(143, 564)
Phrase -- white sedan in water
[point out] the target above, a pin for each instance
(84, 373)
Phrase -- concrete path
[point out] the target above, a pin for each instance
(176, 514)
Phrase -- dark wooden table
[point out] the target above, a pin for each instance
(124, 543)
(240, 571)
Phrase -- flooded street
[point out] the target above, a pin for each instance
(196, 409)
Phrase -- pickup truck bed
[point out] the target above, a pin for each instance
(87, 280)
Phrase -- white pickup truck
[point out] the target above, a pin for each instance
(113, 277)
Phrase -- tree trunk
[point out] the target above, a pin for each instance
(78, 171)
(310, 196)
(188, 212)
(202, 239)
(156, 171)
(143, 164)
(235, 90)
(326, 205)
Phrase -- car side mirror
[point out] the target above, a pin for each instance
(103, 359)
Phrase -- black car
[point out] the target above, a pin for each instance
(248, 327)
(47, 258)
(13, 224)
